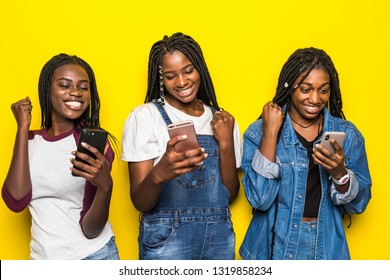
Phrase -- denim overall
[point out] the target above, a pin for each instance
(192, 219)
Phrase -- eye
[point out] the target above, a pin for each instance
(64, 86)
(84, 87)
(189, 71)
(169, 77)
(305, 89)
(324, 90)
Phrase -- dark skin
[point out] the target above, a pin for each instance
(181, 80)
(70, 97)
(307, 102)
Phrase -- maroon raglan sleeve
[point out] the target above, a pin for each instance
(9, 200)
(12, 203)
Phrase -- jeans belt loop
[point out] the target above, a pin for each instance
(176, 219)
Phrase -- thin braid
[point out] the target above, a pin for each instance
(191, 49)
(304, 61)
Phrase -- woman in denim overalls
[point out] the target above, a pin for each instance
(184, 197)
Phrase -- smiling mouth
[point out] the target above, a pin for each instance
(312, 108)
(186, 91)
(75, 105)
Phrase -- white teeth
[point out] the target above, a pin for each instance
(185, 91)
(73, 103)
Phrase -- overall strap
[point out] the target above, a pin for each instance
(163, 113)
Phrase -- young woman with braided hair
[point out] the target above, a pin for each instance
(183, 196)
(300, 190)
(69, 213)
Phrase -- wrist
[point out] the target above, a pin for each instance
(341, 181)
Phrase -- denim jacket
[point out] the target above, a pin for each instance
(276, 191)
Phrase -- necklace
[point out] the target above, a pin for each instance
(306, 128)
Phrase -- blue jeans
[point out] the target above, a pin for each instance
(108, 252)
(208, 235)
(307, 241)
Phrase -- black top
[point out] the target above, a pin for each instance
(313, 184)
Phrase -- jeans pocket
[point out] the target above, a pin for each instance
(157, 234)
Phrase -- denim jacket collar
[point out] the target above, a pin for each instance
(288, 132)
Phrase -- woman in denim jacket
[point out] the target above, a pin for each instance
(300, 190)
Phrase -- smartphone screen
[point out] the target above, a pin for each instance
(181, 128)
(96, 138)
(338, 136)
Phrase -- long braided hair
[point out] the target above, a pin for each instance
(304, 61)
(191, 49)
(90, 117)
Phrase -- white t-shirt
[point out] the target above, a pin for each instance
(57, 200)
(145, 133)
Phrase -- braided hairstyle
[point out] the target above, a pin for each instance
(90, 117)
(191, 49)
(304, 61)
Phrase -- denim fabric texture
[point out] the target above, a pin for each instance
(277, 193)
(192, 219)
(307, 241)
(108, 252)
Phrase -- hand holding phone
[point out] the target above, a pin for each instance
(94, 137)
(184, 128)
(325, 141)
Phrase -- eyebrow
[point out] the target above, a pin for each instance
(310, 84)
(70, 80)
(188, 65)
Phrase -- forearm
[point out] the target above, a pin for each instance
(146, 195)
(96, 217)
(18, 180)
(144, 189)
(268, 146)
(229, 170)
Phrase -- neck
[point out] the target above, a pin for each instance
(193, 108)
(58, 129)
(306, 127)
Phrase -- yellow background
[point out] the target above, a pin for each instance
(245, 44)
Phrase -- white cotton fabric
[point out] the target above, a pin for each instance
(145, 133)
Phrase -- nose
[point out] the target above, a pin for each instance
(75, 92)
(181, 81)
(314, 97)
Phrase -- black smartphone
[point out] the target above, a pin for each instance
(181, 128)
(96, 138)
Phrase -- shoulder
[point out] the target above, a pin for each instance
(143, 113)
(348, 127)
(255, 128)
(33, 133)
